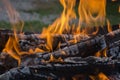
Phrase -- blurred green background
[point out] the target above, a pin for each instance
(41, 13)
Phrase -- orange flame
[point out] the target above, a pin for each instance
(102, 53)
(92, 12)
(119, 9)
(100, 76)
(9, 48)
(61, 24)
(12, 46)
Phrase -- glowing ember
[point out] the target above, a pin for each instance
(101, 53)
(100, 76)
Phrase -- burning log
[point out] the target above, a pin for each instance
(93, 44)
(76, 65)
(79, 49)
(31, 41)
(64, 39)
(34, 40)
(85, 48)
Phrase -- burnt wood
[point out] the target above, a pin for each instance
(70, 67)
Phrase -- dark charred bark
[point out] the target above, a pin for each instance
(70, 67)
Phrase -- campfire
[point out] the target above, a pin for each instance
(78, 45)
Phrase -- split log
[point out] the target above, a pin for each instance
(82, 49)
(85, 48)
(31, 41)
(63, 39)
(72, 66)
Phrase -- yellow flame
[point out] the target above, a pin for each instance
(119, 9)
(62, 23)
(100, 76)
(102, 53)
(109, 28)
(9, 48)
(12, 46)
(92, 12)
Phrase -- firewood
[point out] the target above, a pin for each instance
(70, 67)
(79, 49)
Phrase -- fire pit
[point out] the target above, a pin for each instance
(66, 50)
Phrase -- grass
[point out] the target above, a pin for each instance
(112, 14)
(28, 26)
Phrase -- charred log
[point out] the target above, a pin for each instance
(71, 66)
(31, 41)
(82, 49)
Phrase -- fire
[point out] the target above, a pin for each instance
(9, 48)
(91, 13)
(109, 26)
(100, 76)
(119, 9)
(60, 25)
(12, 46)
(102, 53)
